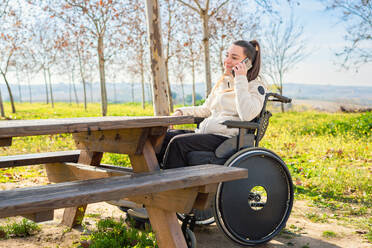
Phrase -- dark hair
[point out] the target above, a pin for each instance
(253, 51)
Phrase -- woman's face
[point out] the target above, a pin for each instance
(235, 54)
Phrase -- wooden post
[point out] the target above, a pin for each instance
(160, 92)
(73, 216)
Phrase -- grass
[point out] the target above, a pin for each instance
(329, 155)
(24, 228)
(112, 233)
(329, 234)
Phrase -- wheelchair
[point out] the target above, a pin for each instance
(249, 211)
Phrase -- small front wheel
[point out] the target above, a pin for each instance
(190, 238)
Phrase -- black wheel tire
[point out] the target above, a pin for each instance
(190, 238)
(234, 213)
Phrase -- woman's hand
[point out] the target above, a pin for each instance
(177, 113)
(240, 69)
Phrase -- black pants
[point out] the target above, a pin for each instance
(177, 143)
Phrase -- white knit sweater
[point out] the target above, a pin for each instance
(243, 103)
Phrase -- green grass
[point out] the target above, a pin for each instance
(24, 228)
(329, 234)
(329, 155)
(112, 233)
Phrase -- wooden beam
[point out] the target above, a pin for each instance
(180, 200)
(69, 194)
(39, 158)
(19, 128)
(74, 215)
(40, 216)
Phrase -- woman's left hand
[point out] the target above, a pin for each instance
(240, 69)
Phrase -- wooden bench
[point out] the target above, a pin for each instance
(25, 201)
(39, 158)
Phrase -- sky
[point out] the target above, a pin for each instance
(325, 35)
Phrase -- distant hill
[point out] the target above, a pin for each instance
(122, 92)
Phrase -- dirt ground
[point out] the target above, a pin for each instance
(305, 233)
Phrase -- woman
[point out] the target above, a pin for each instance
(238, 95)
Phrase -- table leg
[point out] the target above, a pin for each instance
(164, 223)
(74, 215)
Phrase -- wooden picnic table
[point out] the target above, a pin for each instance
(163, 193)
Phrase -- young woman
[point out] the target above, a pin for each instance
(238, 95)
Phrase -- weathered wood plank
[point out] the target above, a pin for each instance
(69, 194)
(73, 216)
(17, 128)
(39, 158)
(40, 216)
(68, 172)
(180, 200)
(123, 141)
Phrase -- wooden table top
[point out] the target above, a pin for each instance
(18, 128)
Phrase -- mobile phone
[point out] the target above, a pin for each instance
(243, 61)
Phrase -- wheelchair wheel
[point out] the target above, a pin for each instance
(202, 217)
(254, 210)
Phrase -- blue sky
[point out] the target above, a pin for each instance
(325, 35)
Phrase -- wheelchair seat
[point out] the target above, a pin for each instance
(250, 137)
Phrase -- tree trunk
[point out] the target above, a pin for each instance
(46, 87)
(101, 62)
(50, 87)
(143, 87)
(19, 86)
(208, 80)
(29, 85)
(91, 91)
(183, 93)
(10, 92)
(193, 82)
(82, 79)
(74, 87)
(170, 99)
(1, 106)
(70, 87)
(281, 90)
(160, 94)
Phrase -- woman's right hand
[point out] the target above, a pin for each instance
(177, 113)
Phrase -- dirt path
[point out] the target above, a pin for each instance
(302, 232)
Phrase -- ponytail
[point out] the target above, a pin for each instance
(253, 51)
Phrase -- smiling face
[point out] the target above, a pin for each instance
(235, 54)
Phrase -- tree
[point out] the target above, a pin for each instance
(205, 13)
(284, 47)
(101, 19)
(10, 40)
(358, 16)
(160, 96)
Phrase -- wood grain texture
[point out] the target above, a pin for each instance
(39, 158)
(123, 141)
(68, 172)
(40, 216)
(70, 194)
(180, 200)
(17, 128)
(74, 215)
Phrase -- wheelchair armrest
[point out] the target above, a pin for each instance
(241, 124)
